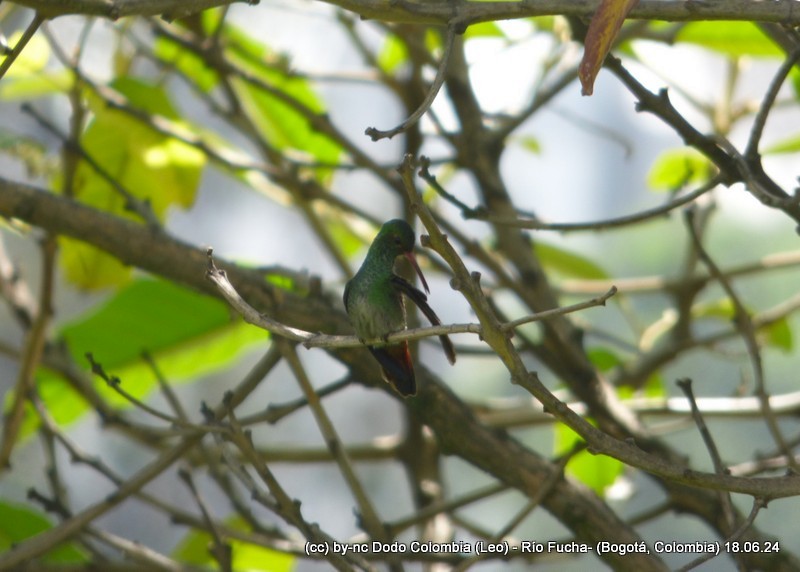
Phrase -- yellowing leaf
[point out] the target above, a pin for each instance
(28, 77)
(602, 32)
(152, 167)
(32, 59)
(89, 268)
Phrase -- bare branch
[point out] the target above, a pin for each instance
(377, 135)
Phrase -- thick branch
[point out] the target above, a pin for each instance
(114, 9)
(458, 12)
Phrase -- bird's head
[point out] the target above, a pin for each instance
(398, 238)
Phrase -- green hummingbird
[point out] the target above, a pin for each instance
(373, 299)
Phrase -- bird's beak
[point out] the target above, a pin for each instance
(413, 260)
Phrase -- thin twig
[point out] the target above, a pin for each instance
(116, 384)
(758, 504)
(725, 497)
(34, 348)
(744, 324)
(751, 151)
(283, 504)
(370, 520)
(377, 135)
(626, 220)
(221, 550)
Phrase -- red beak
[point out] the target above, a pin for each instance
(412, 259)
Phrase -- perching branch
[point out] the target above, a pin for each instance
(311, 340)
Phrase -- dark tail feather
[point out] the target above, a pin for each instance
(449, 350)
(397, 368)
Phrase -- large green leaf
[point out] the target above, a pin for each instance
(194, 549)
(188, 334)
(18, 523)
(279, 118)
(152, 167)
(34, 56)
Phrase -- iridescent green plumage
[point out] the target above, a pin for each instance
(374, 302)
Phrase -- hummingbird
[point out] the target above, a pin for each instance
(374, 302)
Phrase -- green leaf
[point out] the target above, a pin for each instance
(529, 143)
(433, 41)
(146, 314)
(348, 242)
(87, 267)
(678, 167)
(18, 523)
(790, 145)
(595, 471)
(543, 23)
(152, 167)
(279, 109)
(187, 62)
(188, 335)
(604, 359)
(393, 54)
(730, 38)
(36, 85)
(779, 335)
(568, 264)
(194, 549)
(484, 30)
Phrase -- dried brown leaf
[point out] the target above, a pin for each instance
(603, 30)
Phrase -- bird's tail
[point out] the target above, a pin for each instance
(397, 368)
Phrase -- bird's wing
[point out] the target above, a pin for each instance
(421, 300)
(345, 295)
